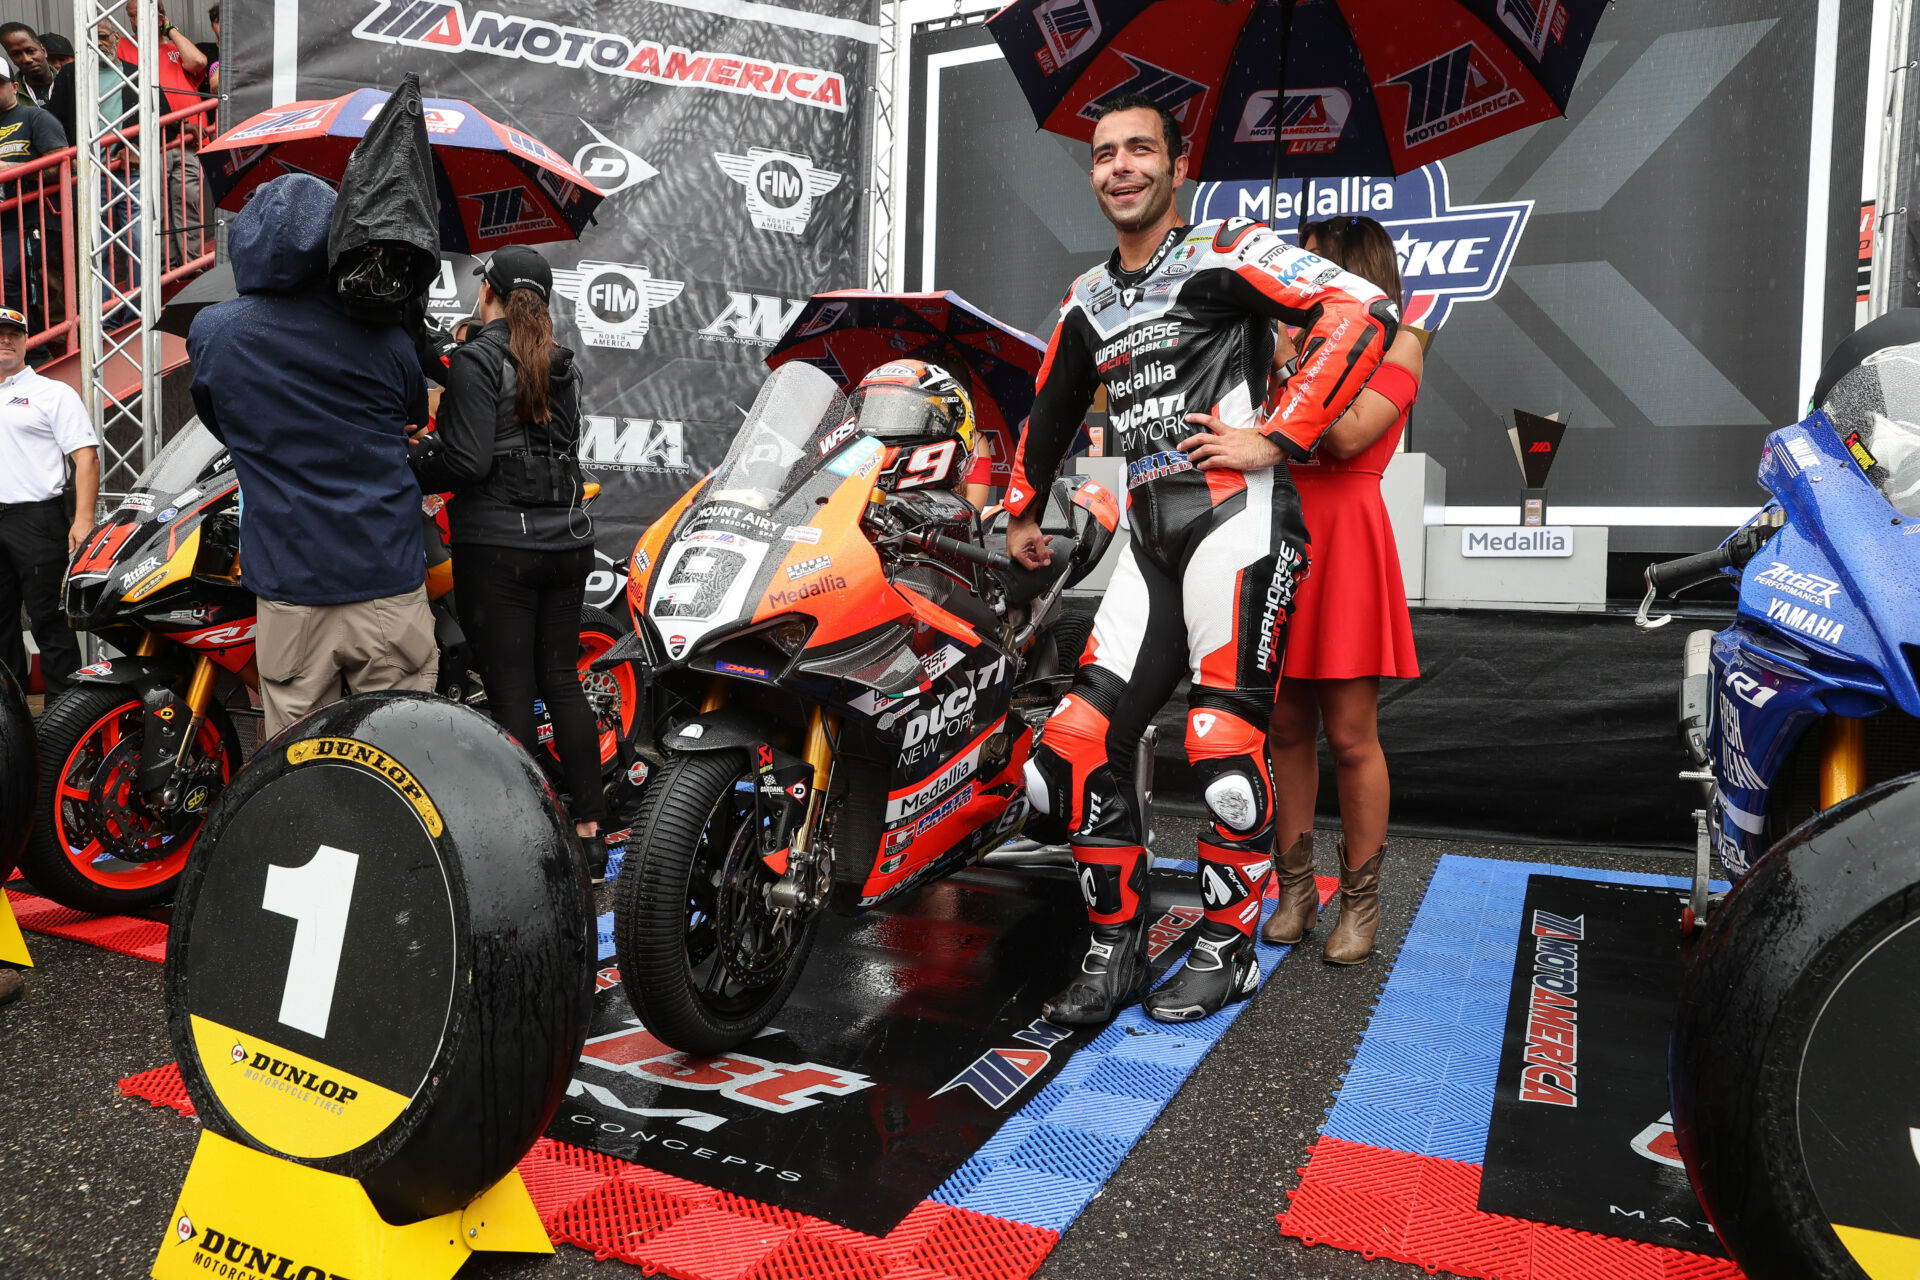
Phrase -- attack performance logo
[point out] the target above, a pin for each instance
(613, 302)
(1448, 253)
(1458, 88)
(609, 166)
(443, 26)
(781, 186)
(1315, 119)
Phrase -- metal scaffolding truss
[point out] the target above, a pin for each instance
(888, 101)
(118, 236)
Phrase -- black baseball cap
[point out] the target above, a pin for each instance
(56, 45)
(516, 266)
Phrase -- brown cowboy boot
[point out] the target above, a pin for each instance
(1299, 906)
(1352, 938)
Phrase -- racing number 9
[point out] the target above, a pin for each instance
(929, 465)
(698, 583)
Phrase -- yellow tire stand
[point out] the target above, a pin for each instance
(13, 947)
(252, 1216)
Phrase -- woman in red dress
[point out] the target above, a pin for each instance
(1350, 627)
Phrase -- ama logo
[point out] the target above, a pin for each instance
(1182, 97)
(1448, 253)
(1456, 89)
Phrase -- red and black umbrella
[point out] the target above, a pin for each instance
(852, 332)
(496, 185)
(1371, 87)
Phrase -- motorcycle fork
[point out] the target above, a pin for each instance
(169, 725)
(1843, 759)
(790, 891)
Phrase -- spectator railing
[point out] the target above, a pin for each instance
(38, 218)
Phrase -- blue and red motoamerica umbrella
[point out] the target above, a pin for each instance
(496, 184)
(852, 332)
(1371, 87)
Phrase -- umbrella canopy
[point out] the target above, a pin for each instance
(496, 185)
(1372, 87)
(852, 332)
(215, 284)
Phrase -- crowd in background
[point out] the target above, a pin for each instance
(39, 105)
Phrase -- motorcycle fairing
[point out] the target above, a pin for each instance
(1829, 611)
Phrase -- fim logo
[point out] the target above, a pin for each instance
(781, 186)
(1448, 252)
(1070, 28)
(609, 166)
(508, 212)
(613, 302)
(752, 319)
(998, 1075)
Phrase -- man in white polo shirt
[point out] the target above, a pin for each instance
(42, 425)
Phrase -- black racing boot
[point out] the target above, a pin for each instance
(1222, 965)
(1113, 974)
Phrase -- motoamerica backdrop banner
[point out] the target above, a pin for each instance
(1640, 267)
(730, 140)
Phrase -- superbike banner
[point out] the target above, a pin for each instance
(729, 140)
(1581, 1136)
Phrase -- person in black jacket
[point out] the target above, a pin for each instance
(506, 443)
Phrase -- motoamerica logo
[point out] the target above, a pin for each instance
(1456, 89)
(229, 1256)
(657, 445)
(781, 186)
(442, 25)
(752, 319)
(1315, 119)
(613, 302)
(1448, 253)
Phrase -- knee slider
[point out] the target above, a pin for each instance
(1070, 765)
(1229, 756)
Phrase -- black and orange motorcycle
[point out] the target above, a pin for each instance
(843, 680)
(133, 757)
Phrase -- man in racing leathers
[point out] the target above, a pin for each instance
(1179, 328)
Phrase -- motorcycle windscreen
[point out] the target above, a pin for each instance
(1875, 409)
(796, 424)
(181, 462)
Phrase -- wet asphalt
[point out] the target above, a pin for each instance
(87, 1177)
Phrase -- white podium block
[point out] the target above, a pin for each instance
(1558, 567)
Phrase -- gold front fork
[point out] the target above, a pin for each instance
(199, 698)
(1843, 759)
(821, 727)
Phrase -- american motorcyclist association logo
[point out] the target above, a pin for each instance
(781, 186)
(613, 302)
(1449, 253)
(609, 166)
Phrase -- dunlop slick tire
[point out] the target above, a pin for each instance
(19, 772)
(514, 971)
(650, 909)
(1758, 977)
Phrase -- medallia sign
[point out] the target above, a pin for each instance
(1448, 253)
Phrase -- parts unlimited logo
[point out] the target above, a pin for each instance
(781, 186)
(443, 26)
(1448, 252)
(613, 302)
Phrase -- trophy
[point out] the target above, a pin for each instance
(1536, 442)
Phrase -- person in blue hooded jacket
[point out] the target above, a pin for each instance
(316, 408)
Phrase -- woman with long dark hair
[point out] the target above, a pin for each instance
(1350, 627)
(506, 443)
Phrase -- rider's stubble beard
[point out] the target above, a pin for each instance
(1149, 209)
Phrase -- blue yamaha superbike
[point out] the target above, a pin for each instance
(1795, 1057)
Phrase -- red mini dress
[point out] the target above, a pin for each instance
(1350, 614)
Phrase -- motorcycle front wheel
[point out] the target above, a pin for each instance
(96, 845)
(706, 960)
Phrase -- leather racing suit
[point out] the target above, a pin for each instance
(1206, 588)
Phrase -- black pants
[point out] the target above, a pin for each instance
(521, 612)
(33, 567)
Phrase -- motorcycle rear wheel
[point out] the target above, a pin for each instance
(691, 895)
(68, 860)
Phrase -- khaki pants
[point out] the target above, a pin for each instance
(306, 652)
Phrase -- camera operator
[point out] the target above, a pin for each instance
(506, 443)
(316, 406)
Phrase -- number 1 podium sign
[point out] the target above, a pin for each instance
(378, 979)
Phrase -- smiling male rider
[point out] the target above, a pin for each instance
(1179, 327)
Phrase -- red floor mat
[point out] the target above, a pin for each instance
(666, 1224)
(1421, 1209)
(127, 935)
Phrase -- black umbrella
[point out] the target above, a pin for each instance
(213, 285)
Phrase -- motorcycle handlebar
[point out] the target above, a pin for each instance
(1688, 571)
(967, 551)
